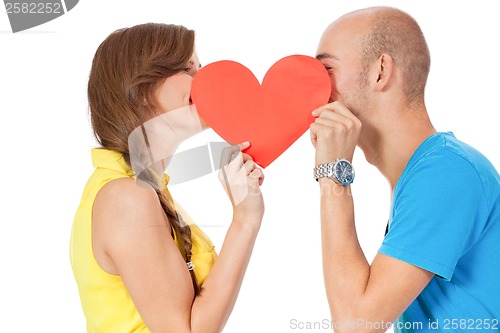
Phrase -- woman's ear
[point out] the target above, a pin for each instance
(384, 71)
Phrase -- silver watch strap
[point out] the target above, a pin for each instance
(322, 170)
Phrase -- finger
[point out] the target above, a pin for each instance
(329, 130)
(249, 166)
(247, 157)
(244, 145)
(340, 108)
(336, 121)
(236, 164)
(258, 175)
(335, 107)
(313, 128)
(317, 112)
(334, 116)
(329, 117)
(239, 156)
(226, 155)
(229, 153)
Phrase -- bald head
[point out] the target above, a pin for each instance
(384, 30)
(394, 32)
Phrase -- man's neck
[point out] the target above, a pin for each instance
(391, 146)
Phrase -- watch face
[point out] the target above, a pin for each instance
(344, 172)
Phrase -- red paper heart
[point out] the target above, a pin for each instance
(271, 116)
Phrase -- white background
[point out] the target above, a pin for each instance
(46, 140)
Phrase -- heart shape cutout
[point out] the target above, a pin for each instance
(272, 116)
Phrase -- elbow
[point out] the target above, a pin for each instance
(359, 319)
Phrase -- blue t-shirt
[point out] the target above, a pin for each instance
(445, 218)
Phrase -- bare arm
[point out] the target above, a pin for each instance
(357, 292)
(133, 235)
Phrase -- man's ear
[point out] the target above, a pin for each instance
(384, 71)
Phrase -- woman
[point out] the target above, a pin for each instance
(139, 267)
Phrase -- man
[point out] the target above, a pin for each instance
(438, 267)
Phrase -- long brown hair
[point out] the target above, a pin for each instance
(127, 68)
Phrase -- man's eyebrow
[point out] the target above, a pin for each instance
(322, 56)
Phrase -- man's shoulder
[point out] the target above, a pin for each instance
(444, 153)
(449, 167)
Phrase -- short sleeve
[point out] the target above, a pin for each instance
(436, 213)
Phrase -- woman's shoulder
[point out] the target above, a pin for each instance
(127, 219)
(122, 198)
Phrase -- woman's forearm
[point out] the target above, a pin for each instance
(212, 307)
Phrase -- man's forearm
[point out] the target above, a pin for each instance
(346, 270)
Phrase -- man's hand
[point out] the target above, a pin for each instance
(334, 133)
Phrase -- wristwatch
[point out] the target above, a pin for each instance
(341, 171)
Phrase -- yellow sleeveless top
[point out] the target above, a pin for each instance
(106, 303)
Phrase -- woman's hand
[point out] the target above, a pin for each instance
(241, 178)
